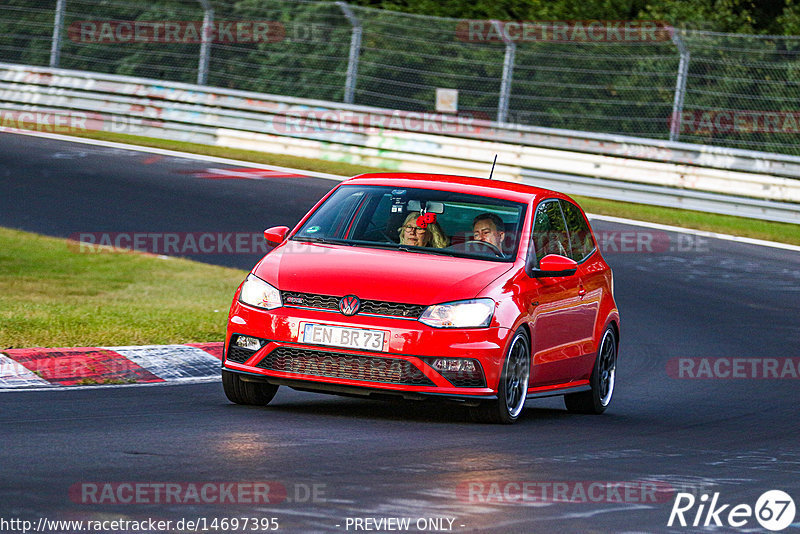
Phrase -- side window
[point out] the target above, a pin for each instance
(580, 237)
(549, 231)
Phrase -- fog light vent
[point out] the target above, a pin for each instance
(453, 364)
(461, 372)
(247, 342)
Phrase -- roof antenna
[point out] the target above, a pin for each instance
(492, 171)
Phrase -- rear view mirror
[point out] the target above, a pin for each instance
(276, 235)
(434, 207)
(554, 265)
(430, 206)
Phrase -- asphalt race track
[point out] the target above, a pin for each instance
(328, 459)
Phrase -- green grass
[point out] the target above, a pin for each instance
(51, 295)
(725, 224)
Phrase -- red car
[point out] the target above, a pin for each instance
(483, 292)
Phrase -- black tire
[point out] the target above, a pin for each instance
(602, 381)
(250, 393)
(512, 388)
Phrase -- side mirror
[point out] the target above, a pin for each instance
(276, 235)
(554, 265)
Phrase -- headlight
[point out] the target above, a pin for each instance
(474, 313)
(260, 294)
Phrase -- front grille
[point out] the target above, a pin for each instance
(341, 365)
(310, 300)
(238, 354)
(472, 381)
(370, 307)
(377, 307)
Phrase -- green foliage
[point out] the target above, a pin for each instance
(789, 19)
(406, 54)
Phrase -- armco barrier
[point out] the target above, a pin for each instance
(739, 182)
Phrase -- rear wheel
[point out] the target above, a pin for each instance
(602, 381)
(243, 392)
(513, 386)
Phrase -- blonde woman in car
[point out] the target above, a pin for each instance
(413, 235)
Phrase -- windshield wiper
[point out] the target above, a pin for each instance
(390, 246)
(378, 244)
(430, 250)
(405, 248)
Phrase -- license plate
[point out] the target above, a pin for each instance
(338, 336)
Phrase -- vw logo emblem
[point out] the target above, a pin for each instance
(349, 305)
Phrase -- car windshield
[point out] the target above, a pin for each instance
(418, 220)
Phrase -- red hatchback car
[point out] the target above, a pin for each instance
(483, 292)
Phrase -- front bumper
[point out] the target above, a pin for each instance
(403, 368)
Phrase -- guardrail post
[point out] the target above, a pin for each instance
(508, 73)
(205, 46)
(55, 45)
(680, 87)
(355, 51)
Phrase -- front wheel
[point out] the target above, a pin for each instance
(242, 392)
(512, 388)
(602, 381)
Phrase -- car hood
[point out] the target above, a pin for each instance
(376, 274)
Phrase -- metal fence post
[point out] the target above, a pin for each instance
(680, 87)
(205, 46)
(55, 45)
(508, 73)
(355, 51)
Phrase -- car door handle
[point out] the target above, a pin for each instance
(581, 291)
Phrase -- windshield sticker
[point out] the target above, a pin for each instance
(397, 201)
(313, 230)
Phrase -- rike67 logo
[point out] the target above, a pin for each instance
(774, 510)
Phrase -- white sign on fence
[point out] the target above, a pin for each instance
(446, 100)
